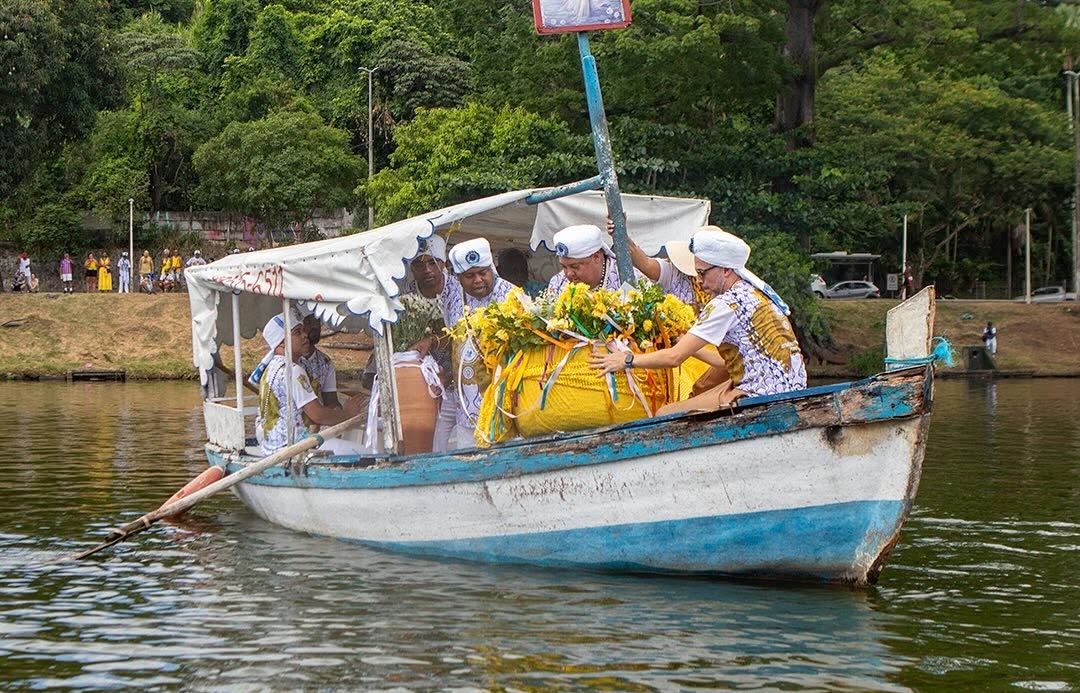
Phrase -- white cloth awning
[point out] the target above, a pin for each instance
(355, 279)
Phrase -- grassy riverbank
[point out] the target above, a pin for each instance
(47, 335)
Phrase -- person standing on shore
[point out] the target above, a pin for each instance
(104, 273)
(123, 267)
(177, 264)
(91, 267)
(989, 337)
(24, 267)
(166, 271)
(146, 272)
(65, 273)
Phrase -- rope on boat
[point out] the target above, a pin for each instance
(942, 351)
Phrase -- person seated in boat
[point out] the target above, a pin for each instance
(434, 284)
(674, 274)
(271, 424)
(745, 320)
(318, 365)
(430, 278)
(474, 269)
(585, 257)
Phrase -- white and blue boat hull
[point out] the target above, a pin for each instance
(810, 486)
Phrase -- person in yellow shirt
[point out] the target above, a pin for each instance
(177, 270)
(146, 273)
(167, 276)
(91, 265)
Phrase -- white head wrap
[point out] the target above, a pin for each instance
(274, 334)
(719, 248)
(434, 246)
(470, 255)
(274, 330)
(576, 242)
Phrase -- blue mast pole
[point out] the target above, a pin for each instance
(604, 161)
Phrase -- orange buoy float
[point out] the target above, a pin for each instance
(197, 484)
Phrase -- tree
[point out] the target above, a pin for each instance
(279, 169)
(166, 87)
(962, 157)
(447, 155)
(57, 70)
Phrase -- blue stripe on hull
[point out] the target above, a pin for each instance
(825, 542)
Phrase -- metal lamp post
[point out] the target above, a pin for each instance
(1072, 106)
(131, 241)
(370, 146)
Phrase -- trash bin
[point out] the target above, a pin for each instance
(976, 358)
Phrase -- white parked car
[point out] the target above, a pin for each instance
(1049, 294)
(818, 285)
(853, 289)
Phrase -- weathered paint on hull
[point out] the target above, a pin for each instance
(810, 489)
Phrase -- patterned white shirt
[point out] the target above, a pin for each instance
(673, 281)
(470, 375)
(321, 371)
(755, 339)
(454, 304)
(271, 426)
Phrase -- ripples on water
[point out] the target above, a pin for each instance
(979, 595)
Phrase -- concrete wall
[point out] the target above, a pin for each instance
(240, 230)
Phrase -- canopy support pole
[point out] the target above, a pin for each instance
(604, 160)
(388, 395)
(237, 364)
(291, 420)
(594, 183)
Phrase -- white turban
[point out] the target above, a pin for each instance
(576, 242)
(273, 333)
(434, 246)
(719, 248)
(274, 330)
(470, 255)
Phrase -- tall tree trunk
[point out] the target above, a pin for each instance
(795, 105)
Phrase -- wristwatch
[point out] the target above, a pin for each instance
(629, 361)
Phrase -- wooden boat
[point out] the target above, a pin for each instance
(811, 485)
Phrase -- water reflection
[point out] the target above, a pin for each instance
(979, 594)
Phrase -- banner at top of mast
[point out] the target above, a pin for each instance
(562, 16)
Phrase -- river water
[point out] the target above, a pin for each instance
(980, 594)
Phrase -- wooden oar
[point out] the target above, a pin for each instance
(231, 373)
(122, 532)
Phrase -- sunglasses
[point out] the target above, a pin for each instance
(702, 272)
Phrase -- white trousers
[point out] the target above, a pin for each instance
(125, 283)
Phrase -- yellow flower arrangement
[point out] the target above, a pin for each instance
(646, 317)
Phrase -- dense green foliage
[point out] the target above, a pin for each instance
(949, 111)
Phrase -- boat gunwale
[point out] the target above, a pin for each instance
(896, 395)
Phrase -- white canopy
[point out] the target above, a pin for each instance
(356, 278)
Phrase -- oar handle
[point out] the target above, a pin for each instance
(231, 373)
(235, 478)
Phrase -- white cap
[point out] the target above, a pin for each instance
(434, 246)
(198, 252)
(576, 242)
(470, 255)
